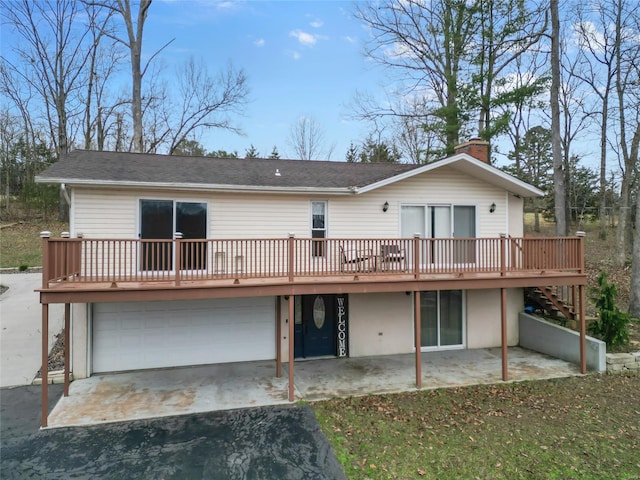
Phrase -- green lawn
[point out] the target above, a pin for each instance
(580, 427)
(20, 243)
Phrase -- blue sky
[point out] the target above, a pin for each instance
(302, 58)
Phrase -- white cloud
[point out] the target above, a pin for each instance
(294, 54)
(588, 37)
(316, 23)
(304, 38)
(259, 43)
(350, 39)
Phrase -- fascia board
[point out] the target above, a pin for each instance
(504, 180)
(194, 186)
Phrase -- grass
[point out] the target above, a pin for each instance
(579, 427)
(20, 243)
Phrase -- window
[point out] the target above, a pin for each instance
(159, 219)
(318, 227)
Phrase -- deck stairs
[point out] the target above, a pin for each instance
(551, 301)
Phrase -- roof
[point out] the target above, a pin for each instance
(123, 169)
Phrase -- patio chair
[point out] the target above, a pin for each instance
(357, 260)
(392, 257)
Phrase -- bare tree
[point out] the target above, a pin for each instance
(53, 56)
(455, 54)
(598, 51)
(307, 138)
(558, 170)
(424, 42)
(204, 101)
(627, 71)
(634, 304)
(134, 27)
(103, 62)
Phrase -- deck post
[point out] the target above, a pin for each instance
(67, 347)
(177, 239)
(290, 244)
(278, 337)
(417, 334)
(44, 369)
(503, 254)
(503, 316)
(291, 347)
(66, 268)
(45, 235)
(583, 330)
(416, 255)
(580, 234)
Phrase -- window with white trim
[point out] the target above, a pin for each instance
(318, 227)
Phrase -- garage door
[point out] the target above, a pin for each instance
(139, 335)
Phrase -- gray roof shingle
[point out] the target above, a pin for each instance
(85, 166)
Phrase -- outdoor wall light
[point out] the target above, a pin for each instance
(492, 208)
(385, 207)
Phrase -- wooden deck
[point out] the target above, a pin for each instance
(88, 270)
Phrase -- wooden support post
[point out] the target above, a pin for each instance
(417, 334)
(291, 257)
(45, 235)
(291, 347)
(583, 330)
(45, 364)
(278, 337)
(580, 235)
(503, 254)
(67, 347)
(503, 316)
(177, 240)
(416, 256)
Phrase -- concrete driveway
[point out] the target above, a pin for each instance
(283, 442)
(20, 322)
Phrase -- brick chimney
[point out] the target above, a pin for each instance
(477, 148)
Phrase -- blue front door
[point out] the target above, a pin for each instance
(315, 329)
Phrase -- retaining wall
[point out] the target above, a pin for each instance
(560, 342)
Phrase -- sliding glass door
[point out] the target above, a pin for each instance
(159, 219)
(441, 221)
(442, 319)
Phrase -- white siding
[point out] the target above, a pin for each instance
(362, 215)
(104, 213)
(516, 216)
(113, 213)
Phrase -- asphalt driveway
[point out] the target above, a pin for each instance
(283, 442)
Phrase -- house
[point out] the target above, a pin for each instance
(174, 261)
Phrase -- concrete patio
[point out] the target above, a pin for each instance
(159, 393)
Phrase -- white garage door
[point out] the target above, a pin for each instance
(138, 335)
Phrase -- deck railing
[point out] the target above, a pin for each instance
(180, 260)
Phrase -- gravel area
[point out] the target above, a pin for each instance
(56, 355)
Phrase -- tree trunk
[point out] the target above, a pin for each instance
(558, 170)
(135, 50)
(634, 304)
